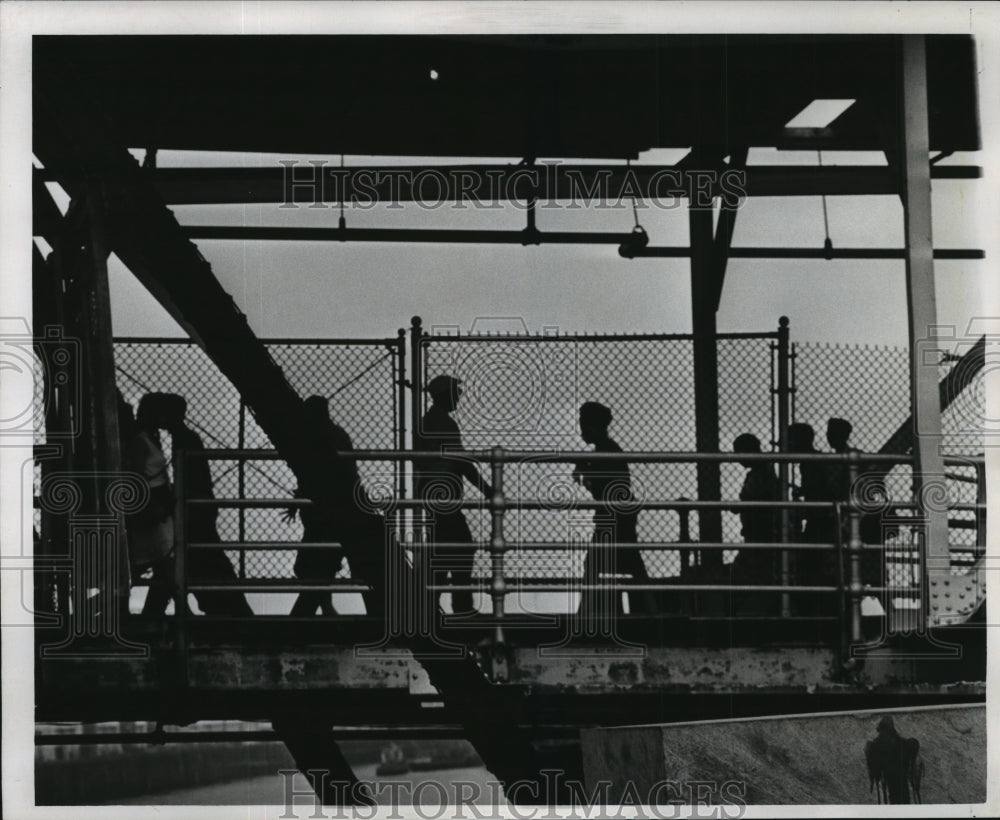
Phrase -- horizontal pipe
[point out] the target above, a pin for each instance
(538, 546)
(475, 338)
(298, 341)
(570, 504)
(285, 586)
(265, 545)
(244, 233)
(250, 735)
(476, 237)
(667, 252)
(625, 587)
(570, 456)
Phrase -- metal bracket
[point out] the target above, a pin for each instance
(954, 598)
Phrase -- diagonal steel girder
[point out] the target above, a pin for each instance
(144, 234)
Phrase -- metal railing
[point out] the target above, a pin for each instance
(848, 545)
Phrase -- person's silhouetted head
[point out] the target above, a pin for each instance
(150, 413)
(800, 438)
(595, 419)
(445, 391)
(746, 443)
(318, 408)
(838, 431)
(173, 410)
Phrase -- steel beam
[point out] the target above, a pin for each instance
(326, 183)
(914, 149)
(728, 207)
(706, 374)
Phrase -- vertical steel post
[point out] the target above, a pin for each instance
(914, 150)
(241, 478)
(854, 547)
(784, 412)
(416, 437)
(706, 374)
(498, 544)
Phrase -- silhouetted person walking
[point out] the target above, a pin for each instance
(818, 526)
(205, 566)
(870, 486)
(151, 530)
(610, 482)
(757, 566)
(442, 481)
(320, 565)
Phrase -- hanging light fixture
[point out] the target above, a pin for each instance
(638, 239)
(827, 242)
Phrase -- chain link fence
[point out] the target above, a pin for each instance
(359, 377)
(524, 392)
(870, 387)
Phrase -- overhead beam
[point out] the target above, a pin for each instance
(305, 183)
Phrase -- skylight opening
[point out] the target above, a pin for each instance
(819, 113)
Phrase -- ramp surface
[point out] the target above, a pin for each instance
(794, 759)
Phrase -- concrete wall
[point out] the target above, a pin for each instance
(790, 759)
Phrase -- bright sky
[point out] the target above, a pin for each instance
(365, 289)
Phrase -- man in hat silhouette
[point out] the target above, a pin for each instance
(440, 484)
(611, 482)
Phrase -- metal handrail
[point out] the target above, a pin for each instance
(848, 584)
(570, 456)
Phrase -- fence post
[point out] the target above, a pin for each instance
(399, 466)
(241, 487)
(784, 411)
(498, 548)
(416, 391)
(854, 586)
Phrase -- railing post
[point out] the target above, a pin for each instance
(854, 547)
(842, 591)
(684, 536)
(498, 544)
(784, 411)
(980, 509)
(180, 563)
